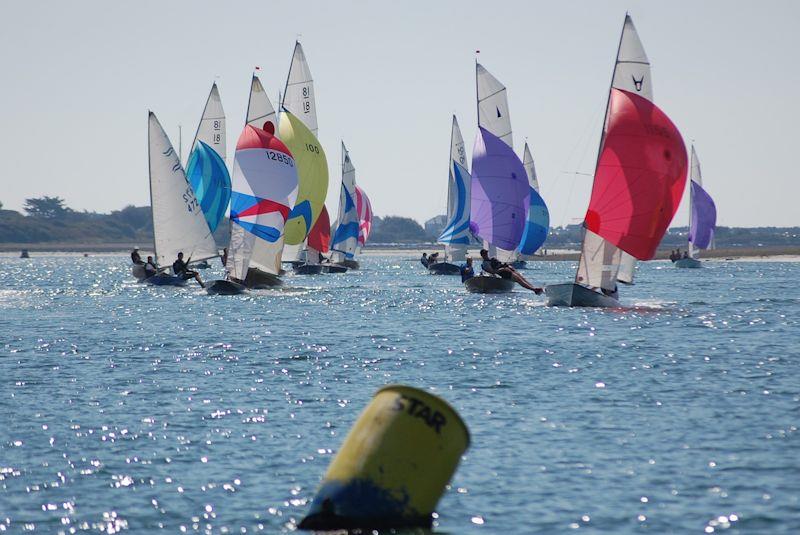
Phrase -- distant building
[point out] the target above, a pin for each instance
(435, 225)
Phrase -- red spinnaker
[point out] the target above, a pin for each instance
(320, 235)
(640, 178)
(256, 138)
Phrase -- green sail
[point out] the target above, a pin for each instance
(312, 172)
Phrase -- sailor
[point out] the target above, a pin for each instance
(424, 259)
(686, 254)
(494, 267)
(224, 257)
(181, 268)
(150, 268)
(467, 271)
(433, 258)
(136, 257)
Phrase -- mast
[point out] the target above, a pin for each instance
(150, 185)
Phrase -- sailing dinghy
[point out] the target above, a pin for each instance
(638, 182)
(364, 207)
(179, 224)
(455, 235)
(264, 187)
(538, 217)
(345, 238)
(318, 240)
(702, 217)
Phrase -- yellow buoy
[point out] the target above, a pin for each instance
(394, 464)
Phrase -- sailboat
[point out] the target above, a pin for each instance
(702, 217)
(264, 267)
(179, 224)
(298, 129)
(500, 191)
(206, 169)
(364, 207)
(319, 239)
(345, 238)
(264, 187)
(455, 235)
(638, 182)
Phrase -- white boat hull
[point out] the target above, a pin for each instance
(574, 295)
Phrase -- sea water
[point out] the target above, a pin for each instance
(130, 407)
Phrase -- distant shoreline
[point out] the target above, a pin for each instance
(413, 251)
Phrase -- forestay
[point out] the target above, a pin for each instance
(179, 224)
(500, 192)
(264, 189)
(206, 170)
(456, 234)
(345, 239)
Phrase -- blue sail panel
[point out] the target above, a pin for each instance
(456, 232)
(211, 183)
(536, 225)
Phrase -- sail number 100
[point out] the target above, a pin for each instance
(310, 147)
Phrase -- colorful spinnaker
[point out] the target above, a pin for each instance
(703, 216)
(206, 169)
(456, 234)
(639, 177)
(264, 189)
(500, 192)
(364, 207)
(179, 224)
(345, 238)
(538, 217)
(320, 235)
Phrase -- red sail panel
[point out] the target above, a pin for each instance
(640, 178)
(320, 235)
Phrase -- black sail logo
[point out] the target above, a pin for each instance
(637, 83)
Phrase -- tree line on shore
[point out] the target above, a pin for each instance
(48, 219)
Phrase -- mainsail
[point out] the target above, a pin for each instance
(703, 218)
(298, 96)
(264, 188)
(456, 235)
(500, 192)
(312, 171)
(206, 170)
(538, 217)
(493, 105)
(178, 222)
(601, 263)
(345, 239)
(364, 207)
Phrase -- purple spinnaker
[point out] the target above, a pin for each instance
(500, 192)
(704, 217)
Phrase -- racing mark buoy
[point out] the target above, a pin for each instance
(394, 464)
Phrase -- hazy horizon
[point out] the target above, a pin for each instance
(80, 78)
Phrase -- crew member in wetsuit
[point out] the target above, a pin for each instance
(181, 268)
(224, 257)
(495, 267)
(424, 259)
(467, 271)
(150, 268)
(136, 257)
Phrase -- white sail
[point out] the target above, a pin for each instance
(527, 163)
(456, 234)
(263, 255)
(345, 239)
(178, 222)
(631, 73)
(298, 97)
(694, 176)
(493, 105)
(211, 129)
(259, 108)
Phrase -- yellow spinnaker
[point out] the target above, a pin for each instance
(312, 173)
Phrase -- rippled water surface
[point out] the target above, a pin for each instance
(130, 407)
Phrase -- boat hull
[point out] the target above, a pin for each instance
(574, 295)
(259, 280)
(690, 263)
(350, 263)
(444, 268)
(489, 285)
(308, 269)
(225, 287)
(164, 279)
(333, 268)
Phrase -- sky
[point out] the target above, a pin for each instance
(78, 78)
